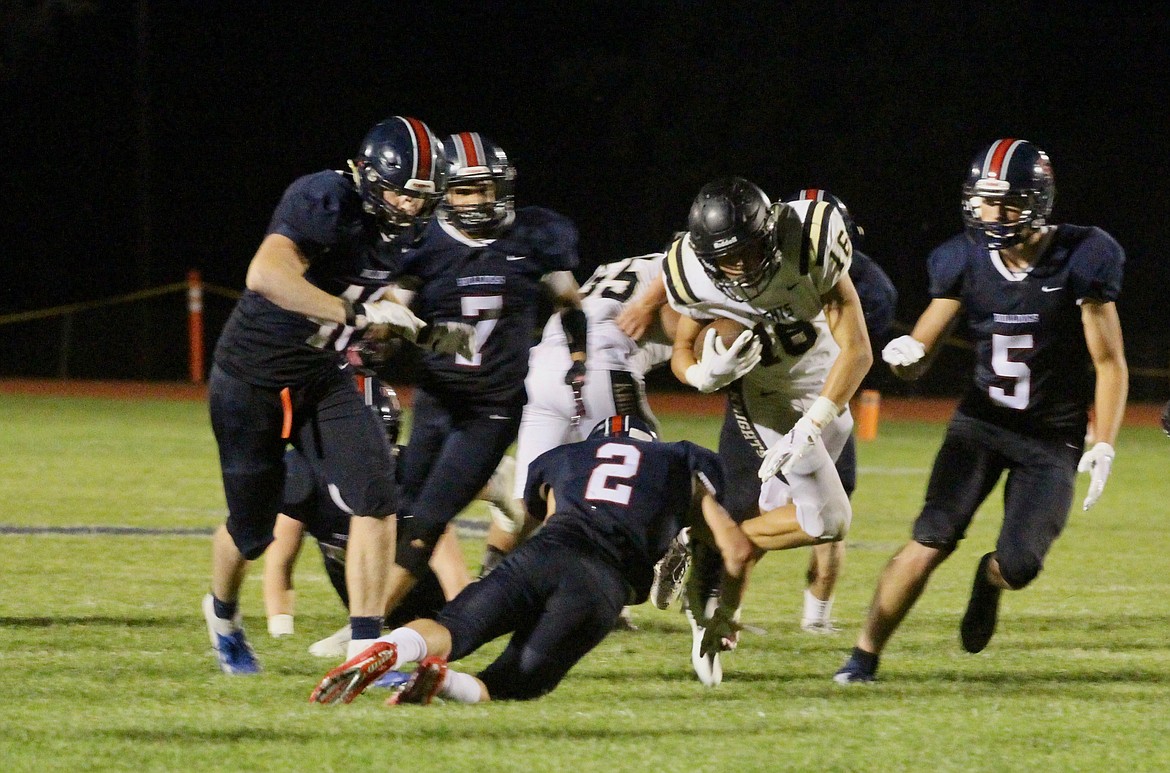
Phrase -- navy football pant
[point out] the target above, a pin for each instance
(339, 437)
(1041, 476)
(557, 598)
(451, 455)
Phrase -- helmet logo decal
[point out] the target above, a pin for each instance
(725, 242)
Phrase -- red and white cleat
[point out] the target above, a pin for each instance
(424, 685)
(347, 681)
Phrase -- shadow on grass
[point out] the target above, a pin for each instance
(96, 621)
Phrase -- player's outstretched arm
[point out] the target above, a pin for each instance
(911, 356)
(277, 272)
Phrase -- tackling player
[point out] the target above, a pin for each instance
(316, 282)
(1040, 304)
(611, 505)
(482, 262)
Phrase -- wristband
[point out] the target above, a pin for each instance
(822, 411)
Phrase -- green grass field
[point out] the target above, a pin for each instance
(106, 666)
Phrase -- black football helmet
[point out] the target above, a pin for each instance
(400, 155)
(476, 159)
(855, 231)
(731, 222)
(1016, 173)
(383, 401)
(624, 425)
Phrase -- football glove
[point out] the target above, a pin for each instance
(721, 365)
(791, 448)
(903, 351)
(720, 632)
(449, 338)
(1098, 462)
(399, 319)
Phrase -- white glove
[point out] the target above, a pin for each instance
(903, 351)
(450, 338)
(280, 625)
(397, 317)
(791, 448)
(721, 365)
(1097, 461)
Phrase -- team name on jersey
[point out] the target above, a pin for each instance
(1016, 319)
(371, 273)
(483, 279)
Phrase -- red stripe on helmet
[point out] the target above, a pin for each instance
(999, 152)
(467, 140)
(422, 140)
(811, 194)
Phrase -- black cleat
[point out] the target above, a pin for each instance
(979, 620)
(861, 668)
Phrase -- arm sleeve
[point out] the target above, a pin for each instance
(311, 212)
(1097, 269)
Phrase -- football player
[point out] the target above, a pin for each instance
(611, 505)
(1040, 304)
(483, 262)
(317, 282)
(781, 271)
(879, 300)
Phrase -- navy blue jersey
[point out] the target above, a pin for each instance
(265, 345)
(879, 299)
(631, 497)
(1033, 373)
(494, 285)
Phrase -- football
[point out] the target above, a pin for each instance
(727, 329)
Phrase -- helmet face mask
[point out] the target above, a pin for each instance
(400, 173)
(730, 229)
(1008, 193)
(481, 198)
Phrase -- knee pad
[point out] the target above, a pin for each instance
(415, 544)
(1018, 570)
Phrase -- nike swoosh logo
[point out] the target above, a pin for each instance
(515, 257)
(498, 417)
(1051, 289)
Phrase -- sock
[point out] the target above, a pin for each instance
(867, 660)
(412, 647)
(225, 610)
(461, 688)
(365, 627)
(816, 610)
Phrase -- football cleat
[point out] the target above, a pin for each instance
(391, 680)
(821, 627)
(707, 667)
(861, 668)
(231, 647)
(347, 681)
(670, 571)
(423, 685)
(978, 624)
(335, 645)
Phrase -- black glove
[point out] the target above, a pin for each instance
(575, 379)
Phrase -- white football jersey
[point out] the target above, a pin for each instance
(788, 315)
(603, 296)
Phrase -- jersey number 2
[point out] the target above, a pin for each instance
(601, 486)
(1006, 368)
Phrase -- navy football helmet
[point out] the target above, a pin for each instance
(400, 156)
(1016, 174)
(476, 159)
(855, 231)
(624, 425)
(383, 401)
(731, 223)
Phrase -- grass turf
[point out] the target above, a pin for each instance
(105, 661)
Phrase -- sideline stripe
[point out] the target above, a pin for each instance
(465, 528)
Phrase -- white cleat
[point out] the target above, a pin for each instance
(707, 667)
(333, 646)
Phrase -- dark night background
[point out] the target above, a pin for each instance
(142, 139)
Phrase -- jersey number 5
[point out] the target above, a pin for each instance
(601, 487)
(1006, 368)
